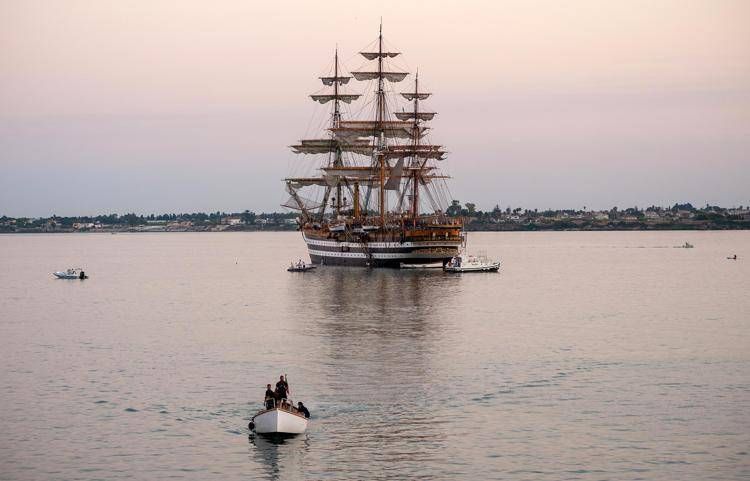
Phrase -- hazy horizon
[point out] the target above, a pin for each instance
(155, 107)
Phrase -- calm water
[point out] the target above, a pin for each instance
(591, 356)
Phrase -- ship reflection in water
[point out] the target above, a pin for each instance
(377, 334)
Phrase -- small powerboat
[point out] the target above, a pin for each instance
(471, 263)
(73, 273)
(300, 267)
(280, 419)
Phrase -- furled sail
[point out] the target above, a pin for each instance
(325, 98)
(374, 55)
(424, 151)
(351, 171)
(389, 76)
(323, 146)
(415, 95)
(330, 80)
(370, 128)
(411, 115)
(297, 182)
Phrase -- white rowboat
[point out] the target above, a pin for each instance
(279, 421)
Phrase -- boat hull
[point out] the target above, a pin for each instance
(379, 254)
(277, 421)
(63, 275)
(300, 269)
(493, 267)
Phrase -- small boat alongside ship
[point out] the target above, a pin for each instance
(72, 273)
(470, 263)
(432, 265)
(300, 266)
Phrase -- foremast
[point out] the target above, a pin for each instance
(331, 145)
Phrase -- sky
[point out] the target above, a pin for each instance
(153, 106)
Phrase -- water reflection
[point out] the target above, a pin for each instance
(377, 335)
(282, 456)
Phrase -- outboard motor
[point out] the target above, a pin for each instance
(82, 275)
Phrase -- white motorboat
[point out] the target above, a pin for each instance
(461, 263)
(73, 273)
(280, 419)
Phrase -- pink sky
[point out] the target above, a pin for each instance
(157, 106)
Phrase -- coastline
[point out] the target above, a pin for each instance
(470, 227)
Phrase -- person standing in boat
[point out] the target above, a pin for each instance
(270, 397)
(282, 389)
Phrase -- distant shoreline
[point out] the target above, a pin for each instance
(532, 227)
(682, 217)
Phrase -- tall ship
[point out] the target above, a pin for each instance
(369, 188)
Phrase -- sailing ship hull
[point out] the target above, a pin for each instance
(379, 254)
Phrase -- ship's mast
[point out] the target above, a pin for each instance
(412, 159)
(336, 119)
(415, 142)
(330, 145)
(380, 130)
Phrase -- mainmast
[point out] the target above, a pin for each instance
(415, 143)
(336, 119)
(381, 133)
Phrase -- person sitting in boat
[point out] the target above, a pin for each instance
(302, 409)
(270, 399)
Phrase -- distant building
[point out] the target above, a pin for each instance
(601, 216)
(232, 221)
(83, 225)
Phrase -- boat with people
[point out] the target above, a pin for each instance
(279, 415)
(470, 263)
(72, 273)
(300, 266)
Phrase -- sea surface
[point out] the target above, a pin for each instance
(592, 356)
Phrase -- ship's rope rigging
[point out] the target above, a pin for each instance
(361, 100)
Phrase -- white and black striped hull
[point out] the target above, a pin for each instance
(379, 254)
